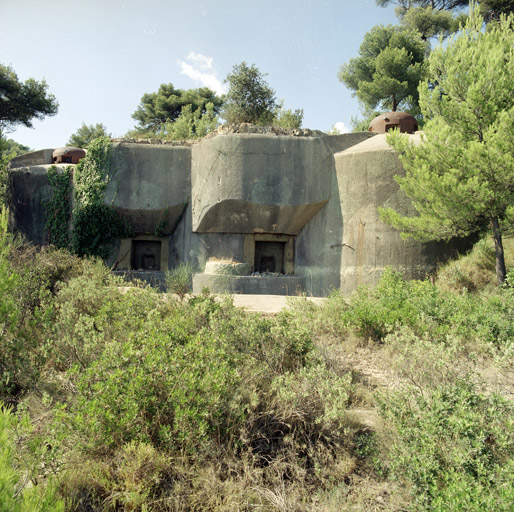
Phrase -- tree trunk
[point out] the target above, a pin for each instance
(501, 272)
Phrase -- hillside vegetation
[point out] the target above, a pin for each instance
(121, 398)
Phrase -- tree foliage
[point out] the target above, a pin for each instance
(491, 10)
(425, 14)
(429, 22)
(249, 99)
(86, 134)
(8, 150)
(21, 102)
(388, 70)
(191, 124)
(166, 105)
(461, 178)
(287, 118)
(434, 4)
(429, 17)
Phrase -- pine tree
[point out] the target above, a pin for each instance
(461, 177)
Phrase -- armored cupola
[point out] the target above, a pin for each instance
(407, 123)
(68, 155)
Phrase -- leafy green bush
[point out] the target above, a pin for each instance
(92, 310)
(312, 398)
(480, 320)
(179, 279)
(153, 391)
(8, 278)
(373, 312)
(455, 445)
(15, 493)
(9, 315)
(133, 478)
(472, 272)
(42, 271)
(180, 380)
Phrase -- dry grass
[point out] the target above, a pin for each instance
(475, 271)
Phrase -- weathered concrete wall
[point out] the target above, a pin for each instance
(150, 185)
(39, 157)
(319, 244)
(285, 171)
(253, 285)
(318, 247)
(365, 178)
(217, 199)
(255, 183)
(29, 188)
(337, 143)
(197, 248)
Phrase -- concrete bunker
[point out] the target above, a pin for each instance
(256, 213)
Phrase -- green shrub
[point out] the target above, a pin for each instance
(10, 363)
(132, 479)
(15, 493)
(42, 272)
(449, 439)
(92, 310)
(8, 278)
(373, 312)
(172, 393)
(313, 398)
(180, 380)
(179, 279)
(484, 321)
(472, 272)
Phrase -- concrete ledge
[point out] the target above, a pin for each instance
(253, 285)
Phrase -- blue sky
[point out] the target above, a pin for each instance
(100, 56)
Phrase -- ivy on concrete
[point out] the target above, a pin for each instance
(163, 223)
(58, 207)
(95, 225)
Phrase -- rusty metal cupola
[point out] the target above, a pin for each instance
(407, 123)
(68, 155)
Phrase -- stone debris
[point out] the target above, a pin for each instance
(267, 274)
(267, 130)
(225, 129)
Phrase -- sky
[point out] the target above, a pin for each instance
(99, 57)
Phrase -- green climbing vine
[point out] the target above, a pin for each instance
(92, 173)
(162, 224)
(58, 207)
(95, 224)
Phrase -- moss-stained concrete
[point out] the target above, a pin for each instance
(150, 185)
(312, 198)
(365, 179)
(258, 183)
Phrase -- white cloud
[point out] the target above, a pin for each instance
(341, 127)
(201, 60)
(200, 69)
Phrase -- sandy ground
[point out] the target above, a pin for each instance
(268, 303)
